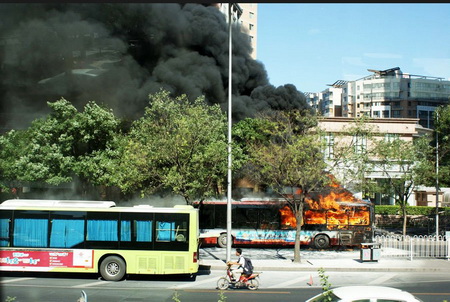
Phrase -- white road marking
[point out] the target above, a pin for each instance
(16, 280)
(383, 278)
(89, 284)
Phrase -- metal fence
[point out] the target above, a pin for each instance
(414, 246)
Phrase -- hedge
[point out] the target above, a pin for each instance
(410, 210)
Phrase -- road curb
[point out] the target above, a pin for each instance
(365, 267)
(331, 269)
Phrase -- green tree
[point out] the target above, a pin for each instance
(97, 137)
(351, 156)
(291, 161)
(12, 146)
(404, 165)
(442, 129)
(179, 146)
(48, 156)
(245, 133)
(64, 145)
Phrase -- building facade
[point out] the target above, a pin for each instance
(387, 94)
(426, 196)
(246, 14)
(249, 23)
(405, 129)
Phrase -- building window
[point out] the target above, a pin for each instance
(329, 145)
(360, 144)
(396, 113)
(390, 137)
(251, 15)
(250, 26)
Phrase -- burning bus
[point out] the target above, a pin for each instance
(337, 219)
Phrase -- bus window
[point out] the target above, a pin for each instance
(67, 229)
(165, 231)
(220, 216)
(360, 216)
(5, 223)
(246, 218)
(30, 229)
(337, 219)
(207, 219)
(287, 218)
(102, 230)
(4, 232)
(171, 231)
(143, 230)
(269, 219)
(314, 217)
(136, 231)
(125, 230)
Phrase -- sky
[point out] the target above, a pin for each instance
(314, 45)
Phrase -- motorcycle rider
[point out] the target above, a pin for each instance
(241, 262)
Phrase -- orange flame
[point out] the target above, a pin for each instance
(326, 209)
(288, 220)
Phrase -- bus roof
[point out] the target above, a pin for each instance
(83, 205)
(57, 203)
(274, 201)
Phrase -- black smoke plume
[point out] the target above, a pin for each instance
(117, 54)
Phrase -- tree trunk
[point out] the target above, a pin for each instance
(405, 219)
(298, 216)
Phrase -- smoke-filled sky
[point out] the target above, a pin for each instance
(117, 54)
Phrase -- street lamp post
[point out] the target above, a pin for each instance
(228, 256)
(437, 175)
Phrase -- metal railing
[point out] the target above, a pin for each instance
(414, 246)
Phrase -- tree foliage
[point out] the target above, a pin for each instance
(352, 155)
(290, 161)
(404, 166)
(178, 145)
(64, 145)
(442, 129)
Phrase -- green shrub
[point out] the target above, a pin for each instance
(410, 210)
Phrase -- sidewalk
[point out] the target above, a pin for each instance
(340, 264)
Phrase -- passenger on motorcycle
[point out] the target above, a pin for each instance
(241, 269)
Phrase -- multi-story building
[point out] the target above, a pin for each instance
(249, 22)
(405, 129)
(393, 94)
(330, 103)
(246, 14)
(313, 99)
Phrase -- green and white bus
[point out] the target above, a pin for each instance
(97, 237)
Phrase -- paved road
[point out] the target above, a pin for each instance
(291, 285)
(428, 279)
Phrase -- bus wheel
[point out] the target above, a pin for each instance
(113, 268)
(321, 241)
(222, 240)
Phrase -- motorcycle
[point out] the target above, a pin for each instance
(251, 282)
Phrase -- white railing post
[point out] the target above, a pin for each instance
(411, 248)
(447, 237)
